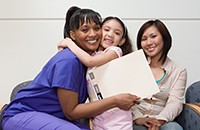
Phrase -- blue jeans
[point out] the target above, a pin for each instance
(167, 126)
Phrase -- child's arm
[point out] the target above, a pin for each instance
(85, 58)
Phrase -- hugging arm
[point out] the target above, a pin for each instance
(84, 57)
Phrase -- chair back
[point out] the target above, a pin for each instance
(18, 87)
(12, 96)
(193, 93)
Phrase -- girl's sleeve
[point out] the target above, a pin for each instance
(117, 50)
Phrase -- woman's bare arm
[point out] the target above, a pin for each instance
(72, 110)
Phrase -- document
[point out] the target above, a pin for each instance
(128, 74)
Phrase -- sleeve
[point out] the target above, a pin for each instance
(174, 103)
(117, 50)
(66, 75)
(136, 112)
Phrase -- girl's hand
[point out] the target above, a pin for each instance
(64, 43)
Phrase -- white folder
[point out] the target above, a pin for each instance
(128, 74)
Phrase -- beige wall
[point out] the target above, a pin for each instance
(31, 29)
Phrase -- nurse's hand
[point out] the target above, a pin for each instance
(126, 101)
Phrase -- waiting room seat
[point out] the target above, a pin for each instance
(189, 118)
(12, 96)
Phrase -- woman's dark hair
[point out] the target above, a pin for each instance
(69, 13)
(127, 46)
(76, 17)
(167, 39)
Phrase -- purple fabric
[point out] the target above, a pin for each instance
(63, 70)
(39, 121)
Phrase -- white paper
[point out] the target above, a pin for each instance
(128, 74)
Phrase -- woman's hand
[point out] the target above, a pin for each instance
(126, 101)
(151, 123)
(64, 43)
(154, 127)
(148, 122)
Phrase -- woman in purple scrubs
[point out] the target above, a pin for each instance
(56, 97)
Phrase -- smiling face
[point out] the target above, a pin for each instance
(152, 42)
(87, 36)
(112, 32)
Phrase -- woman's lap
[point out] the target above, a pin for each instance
(168, 126)
(139, 127)
(39, 121)
(171, 126)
